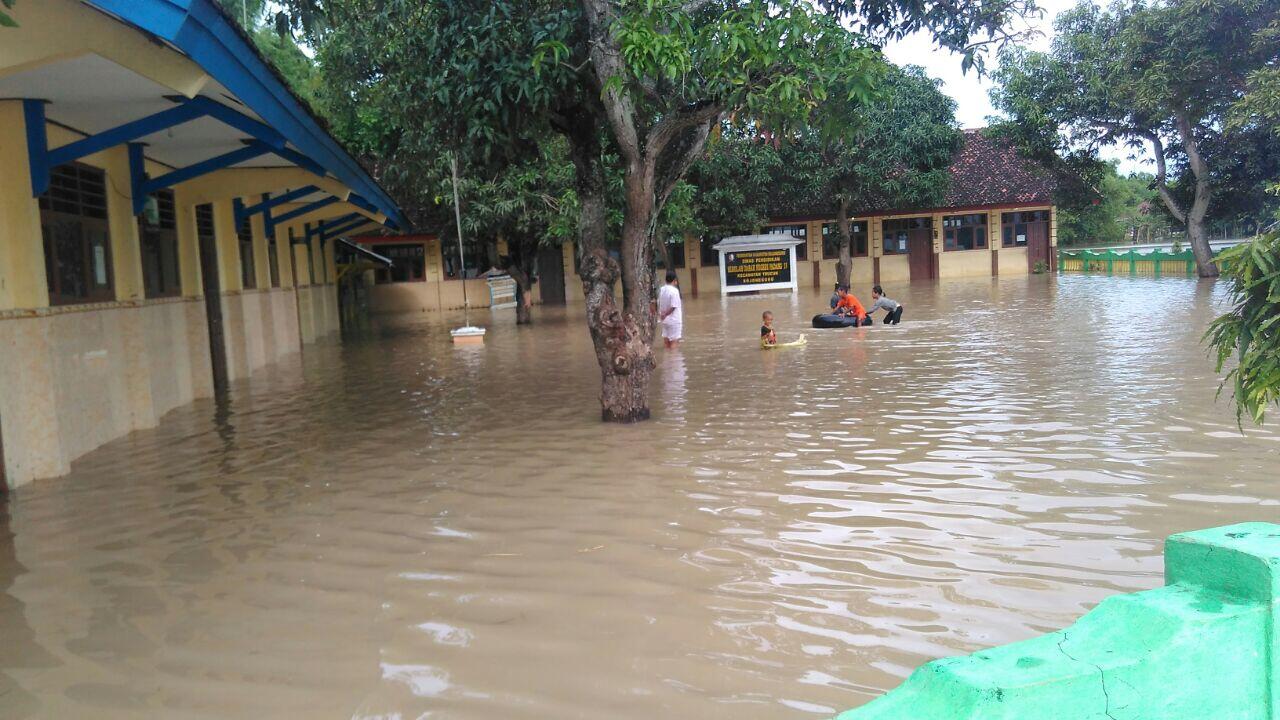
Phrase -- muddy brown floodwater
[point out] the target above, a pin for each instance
(394, 527)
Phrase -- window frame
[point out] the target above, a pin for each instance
(854, 237)
(902, 226)
(383, 276)
(62, 207)
(154, 240)
(953, 226)
(248, 261)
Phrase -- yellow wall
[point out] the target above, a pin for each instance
(22, 278)
(964, 263)
(894, 269)
(1013, 261)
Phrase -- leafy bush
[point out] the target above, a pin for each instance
(1041, 267)
(1251, 331)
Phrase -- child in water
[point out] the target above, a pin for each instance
(767, 335)
(892, 308)
(849, 305)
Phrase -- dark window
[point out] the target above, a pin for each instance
(77, 238)
(710, 256)
(476, 259)
(858, 243)
(800, 232)
(248, 276)
(964, 232)
(1014, 226)
(273, 261)
(674, 250)
(158, 232)
(897, 233)
(409, 263)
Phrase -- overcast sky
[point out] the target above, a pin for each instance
(971, 92)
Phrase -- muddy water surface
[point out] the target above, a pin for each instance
(395, 527)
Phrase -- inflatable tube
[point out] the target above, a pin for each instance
(827, 320)
(798, 342)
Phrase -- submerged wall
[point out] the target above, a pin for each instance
(1205, 646)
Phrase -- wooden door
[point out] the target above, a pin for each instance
(1037, 245)
(551, 275)
(920, 250)
(212, 301)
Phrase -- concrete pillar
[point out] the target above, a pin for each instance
(22, 277)
(126, 245)
(995, 239)
(284, 255)
(188, 246)
(224, 230)
(261, 254)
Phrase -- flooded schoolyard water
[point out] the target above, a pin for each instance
(394, 527)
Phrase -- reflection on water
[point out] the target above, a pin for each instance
(397, 527)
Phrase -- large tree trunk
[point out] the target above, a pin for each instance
(1192, 218)
(622, 348)
(524, 292)
(1205, 266)
(845, 264)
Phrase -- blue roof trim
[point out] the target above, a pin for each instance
(200, 30)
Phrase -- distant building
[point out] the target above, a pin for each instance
(998, 218)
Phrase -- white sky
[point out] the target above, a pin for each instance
(973, 103)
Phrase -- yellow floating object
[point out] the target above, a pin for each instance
(798, 342)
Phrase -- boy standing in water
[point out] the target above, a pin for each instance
(670, 314)
(849, 305)
(767, 335)
(892, 308)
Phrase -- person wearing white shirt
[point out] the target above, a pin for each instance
(670, 315)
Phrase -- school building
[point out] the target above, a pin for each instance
(169, 211)
(997, 218)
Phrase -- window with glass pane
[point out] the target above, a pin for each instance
(248, 276)
(858, 240)
(409, 263)
(1014, 226)
(964, 232)
(160, 276)
(897, 234)
(77, 239)
(799, 232)
(273, 262)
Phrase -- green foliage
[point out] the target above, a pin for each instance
(1250, 333)
(1041, 267)
(1124, 210)
(895, 153)
(1129, 76)
(6, 20)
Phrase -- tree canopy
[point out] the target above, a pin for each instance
(1164, 76)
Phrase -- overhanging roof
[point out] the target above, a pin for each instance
(81, 90)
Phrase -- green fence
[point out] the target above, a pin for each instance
(1127, 262)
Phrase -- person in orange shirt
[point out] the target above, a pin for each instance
(849, 305)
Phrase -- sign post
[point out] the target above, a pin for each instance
(749, 263)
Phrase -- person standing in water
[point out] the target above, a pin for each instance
(892, 308)
(670, 313)
(849, 305)
(767, 334)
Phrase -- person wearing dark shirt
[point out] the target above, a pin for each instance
(767, 335)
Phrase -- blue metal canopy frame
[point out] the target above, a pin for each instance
(201, 30)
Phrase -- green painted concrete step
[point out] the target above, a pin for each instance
(1204, 647)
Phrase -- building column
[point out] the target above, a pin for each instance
(995, 239)
(22, 276)
(261, 253)
(126, 243)
(875, 235)
(1053, 238)
(224, 231)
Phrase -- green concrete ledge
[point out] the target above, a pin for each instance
(1204, 647)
